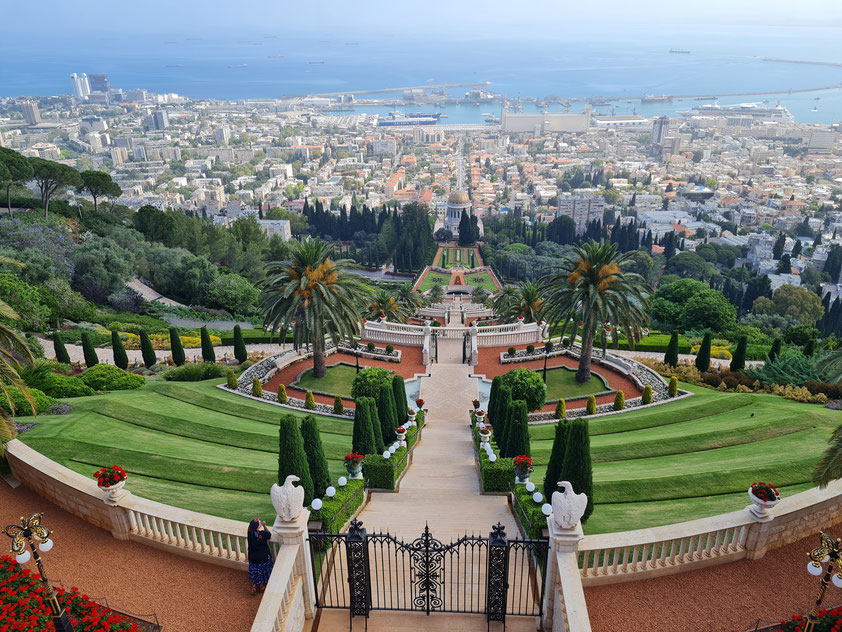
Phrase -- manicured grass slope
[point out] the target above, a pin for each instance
(337, 380)
(561, 383)
(185, 444)
(433, 278)
(696, 457)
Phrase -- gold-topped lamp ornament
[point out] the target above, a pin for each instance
(827, 553)
(30, 531)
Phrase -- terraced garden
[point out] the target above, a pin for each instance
(481, 279)
(561, 383)
(185, 444)
(433, 278)
(696, 457)
(451, 257)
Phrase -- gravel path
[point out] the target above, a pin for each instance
(185, 594)
(722, 598)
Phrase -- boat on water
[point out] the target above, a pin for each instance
(651, 98)
(397, 119)
(705, 98)
(238, 66)
(754, 111)
(679, 51)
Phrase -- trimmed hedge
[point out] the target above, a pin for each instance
(57, 385)
(104, 377)
(383, 473)
(336, 511)
(196, 373)
(497, 476)
(255, 336)
(22, 406)
(532, 519)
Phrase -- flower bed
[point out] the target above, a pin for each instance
(378, 353)
(23, 607)
(829, 621)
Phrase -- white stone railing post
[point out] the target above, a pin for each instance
(565, 609)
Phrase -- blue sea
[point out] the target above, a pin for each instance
(592, 61)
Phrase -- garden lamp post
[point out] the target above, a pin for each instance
(27, 532)
(548, 347)
(357, 354)
(828, 552)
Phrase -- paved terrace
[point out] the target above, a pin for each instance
(185, 594)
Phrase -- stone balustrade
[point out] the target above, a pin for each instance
(282, 605)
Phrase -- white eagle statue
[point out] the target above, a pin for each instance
(287, 499)
(568, 506)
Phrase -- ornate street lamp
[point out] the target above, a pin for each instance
(27, 532)
(548, 347)
(827, 553)
(357, 354)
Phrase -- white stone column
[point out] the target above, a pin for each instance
(294, 533)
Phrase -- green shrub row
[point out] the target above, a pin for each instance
(194, 372)
(383, 473)
(532, 519)
(336, 511)
(104, 377)
(21, 405)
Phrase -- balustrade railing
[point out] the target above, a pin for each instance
(282, 607)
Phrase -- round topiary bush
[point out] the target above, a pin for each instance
(231, 379)
(673, 386)
(309, 401)
(561, 409)
(528, 386)
(370, 346)
(511, 352)
(530, 349)
(619, 400)
(646, 398)
(256, 388)
(104, 377)
(22, 407)
(591, 406)
(338, 406)
(282, 394)
(389, 349)
(368, 381)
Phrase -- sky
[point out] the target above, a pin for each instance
(471, 16)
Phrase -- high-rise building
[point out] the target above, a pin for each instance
(119, 155)
(582, 209)
(660, 130)
(85, 85)
(76, 85)
(2, 141)
(160, 120)
(100, 83)
(31, 113)
(222, 135)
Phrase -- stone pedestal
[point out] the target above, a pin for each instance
(294, 533)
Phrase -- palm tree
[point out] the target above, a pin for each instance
(315, 297)
(410, 299)
(386, 305)
(829, 468)
(524, 300)
(436, 293)
(504, 300)
(593, 282)
(830, 366)
(14, 353)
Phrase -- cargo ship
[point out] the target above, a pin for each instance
(651, 98)
(396, 119)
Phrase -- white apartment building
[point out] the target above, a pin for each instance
(582, 209)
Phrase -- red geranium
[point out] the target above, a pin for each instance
(765, 492)
(419, 402)
(108, 476)
(354, 459)
(522, 463)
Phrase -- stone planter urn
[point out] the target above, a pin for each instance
(401, 434)
(114, 493)
(484, 436)
(759, 509)
(480, 415)
(410, 415)
(355, 473)
(522, 476)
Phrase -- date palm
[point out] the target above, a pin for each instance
(410, 299)
(592, 286)
(14, 353)
(314, 297)
(524, 300)
(384, 304)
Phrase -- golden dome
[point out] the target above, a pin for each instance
(458, 197)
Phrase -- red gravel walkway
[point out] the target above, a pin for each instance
(186, 595)
(725, 598)
(409, 365)
(489, 365)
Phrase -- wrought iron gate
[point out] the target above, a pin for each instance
(494, 575)
(434, 347)
(466, 348)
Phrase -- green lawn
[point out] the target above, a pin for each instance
(433, 278)
(337, 380)
(561, 383)
(696, 457)
(453, 257)
(187, 444)
(481, 279)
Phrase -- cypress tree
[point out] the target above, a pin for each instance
(363, 438)
(315, 455)
(775, 351)
(810, 348)
(671, 356)
(176, 350)
(89, 351)
(551, 478)
(703, 356)
(291, 456)
(240, 351)
(561, 409)
(517, 434)
(121, 359)
(61, 351)
(577, 468)
(493, 396)
(399, 393)
(387, 413)
(146, 350)
(738, 362)
(376, 430)
(672, 387)
(338, 406)
(501, 415)
(208, 354)
(619, 400)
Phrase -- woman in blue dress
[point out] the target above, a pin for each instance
(260, 558)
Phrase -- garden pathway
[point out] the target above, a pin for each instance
(441, 487)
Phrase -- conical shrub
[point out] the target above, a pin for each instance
(552, 477)
(387, 414)
(208, 354)
(561, 409)
(517, 433)
(578, 468)
(315, 455)
(176, 349)
(61, 351)
(399, 393)
(671, 356)
(703, 356)
(362, 441)
(240, 351)
(291, 456)
(121, 358)
(88, 351)
(147, 350)
(500, 427)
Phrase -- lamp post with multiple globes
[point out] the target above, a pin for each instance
(28, 532)
(548, 347)
(830, 553)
